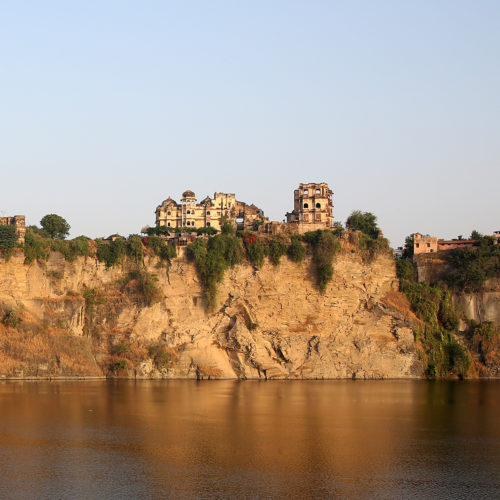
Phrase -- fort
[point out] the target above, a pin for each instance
(312, 210)
(18, 222)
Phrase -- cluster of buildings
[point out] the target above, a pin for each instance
(312, 210)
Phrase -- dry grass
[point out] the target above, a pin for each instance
(209, 371)
(398, 301)
(308, 324)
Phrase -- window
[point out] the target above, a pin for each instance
(168, 224)
(318, 191)
(306, 191)
(188, 212)
(306, 218)
(418, 245)
(318, 205)
(318, 217)
(208, 212)
(168, 213)
(428, 245)
(208, 224)
(306, 205)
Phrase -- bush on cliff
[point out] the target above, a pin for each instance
(365, 222)
(296, 251)
(277, 248)
(111, 252)
(432, 304)
(211, 258)
(324, 246)
(36, 247)
(471, 267)
(164, 251)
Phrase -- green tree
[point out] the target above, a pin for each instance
(475, 235)
(8, 237)
(409, 247)
(55, 226)
(365, 222)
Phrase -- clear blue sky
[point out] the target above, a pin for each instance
(109, 107)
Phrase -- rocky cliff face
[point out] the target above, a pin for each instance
(268, 323)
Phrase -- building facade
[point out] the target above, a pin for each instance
(312, 207)
(210, 212)
(19, 223)
(424, 244)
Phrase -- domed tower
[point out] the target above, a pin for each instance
(188, 197)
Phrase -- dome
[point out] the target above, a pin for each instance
(188, 194)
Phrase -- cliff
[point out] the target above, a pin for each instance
(83, 319)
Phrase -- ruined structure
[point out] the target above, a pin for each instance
(312, 207)
(208, 213)
(19, 223)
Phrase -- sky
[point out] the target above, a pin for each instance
(109, 107)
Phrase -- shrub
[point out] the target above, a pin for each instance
(277, 248)
(111, 252)
(255, 249)
(12, 318)
(8, 237)
(80, 246)
(405, 270)
(146, 285)
(365, 222)
(121, 349)
(36, 247)
(134, 248)
(118, 365)
(471, 267)
(324, 247)
(211, 258)
(92, 298)
(62, 247)
(161, 356)
(296, 250)
(161, 249)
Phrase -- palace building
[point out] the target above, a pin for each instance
(210, 212)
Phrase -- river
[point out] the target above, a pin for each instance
(230, 439)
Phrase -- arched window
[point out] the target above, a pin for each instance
(208, 212)
(318, 191)
(318, 205)
(306, 205)
(168, 223)
(188, 212)
(208, 224)
(306, 191)
(168, 213)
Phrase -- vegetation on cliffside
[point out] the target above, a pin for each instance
(436, 332)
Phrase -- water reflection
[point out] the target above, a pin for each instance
(301, 439)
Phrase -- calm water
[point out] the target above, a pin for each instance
(227, 439)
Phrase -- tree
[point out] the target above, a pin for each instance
(365, 222)
(8, 237)
(55, 226)
(475, 235)
(408, 248)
